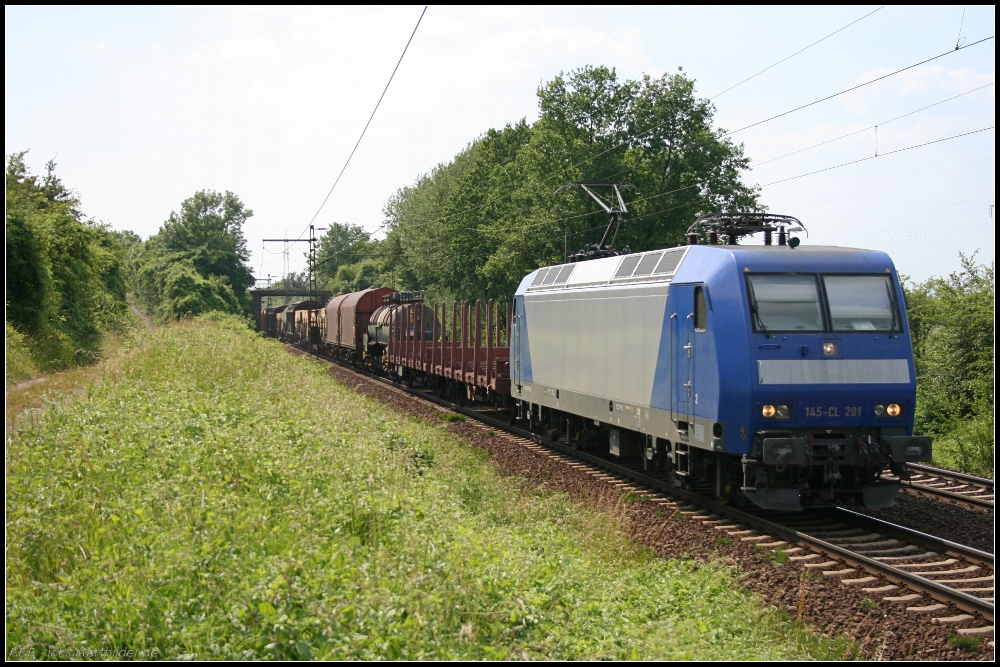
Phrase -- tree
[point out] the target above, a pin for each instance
(473, 227)
(65, 277)
(197, 261)
(341, 244)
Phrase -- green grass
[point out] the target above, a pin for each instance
(964, 642)
(216, 497)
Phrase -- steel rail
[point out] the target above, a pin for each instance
(953, 476)
(936, 590)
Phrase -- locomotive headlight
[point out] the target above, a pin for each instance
(768, 411)
(880, 411)
(783, 412)
(830, 349)
(893, 410)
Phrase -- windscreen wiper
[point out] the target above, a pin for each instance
(892, 304)
(756, 311)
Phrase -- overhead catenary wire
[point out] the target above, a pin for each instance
(883, 122)
(491, 230)
(873, 157)
(912, 213)
(723, 133)
(797, 207)
(358, 142)
(834, 237)
(796, 53)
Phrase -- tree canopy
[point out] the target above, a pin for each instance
(197, 261)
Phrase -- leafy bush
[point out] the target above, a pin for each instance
(18, 358)
(953, 330)
(65, 278)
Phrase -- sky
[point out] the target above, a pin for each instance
(142, 107)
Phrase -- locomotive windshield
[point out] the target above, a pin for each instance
(861, 303)
(791, 302)
(785, 302)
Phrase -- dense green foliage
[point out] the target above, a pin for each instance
(952, 324)
(214, 496)
(65, 277)
(197, 262)
(473, 227)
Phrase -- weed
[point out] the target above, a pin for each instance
(724, 541)
(964, 642)
(451, 417)
(632, 497)
(680, 516)
(490, 433)
(868, 604)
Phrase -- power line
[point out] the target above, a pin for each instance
(884, 122)
(882, 230)
(358, 142)
(884, 187)
(919, 239)
(909, 215)
(860, 85)
(872, 157)
(557, 221)
(796, 53)
(724, 133)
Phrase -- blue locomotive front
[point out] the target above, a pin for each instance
(815, 388)
(776, 373)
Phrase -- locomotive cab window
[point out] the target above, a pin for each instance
(784, 302)
(862, 303)
(700, 309)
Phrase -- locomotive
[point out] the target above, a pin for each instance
(776, 374)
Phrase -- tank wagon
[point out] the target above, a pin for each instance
(779, 374)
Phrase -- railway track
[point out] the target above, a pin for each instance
(958, 486)
(899, 565)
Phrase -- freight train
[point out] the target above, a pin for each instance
(776, 374)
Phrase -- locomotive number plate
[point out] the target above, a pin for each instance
(835, 411)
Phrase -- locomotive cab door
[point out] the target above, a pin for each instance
(689, 317)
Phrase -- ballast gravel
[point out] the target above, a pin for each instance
(951, 519)
(882, 630)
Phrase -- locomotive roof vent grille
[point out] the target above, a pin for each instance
(647, 264)
(656, 265)
(627, 266)
(564, 274)
(671, 260)
(539, 277)
(551, 277)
